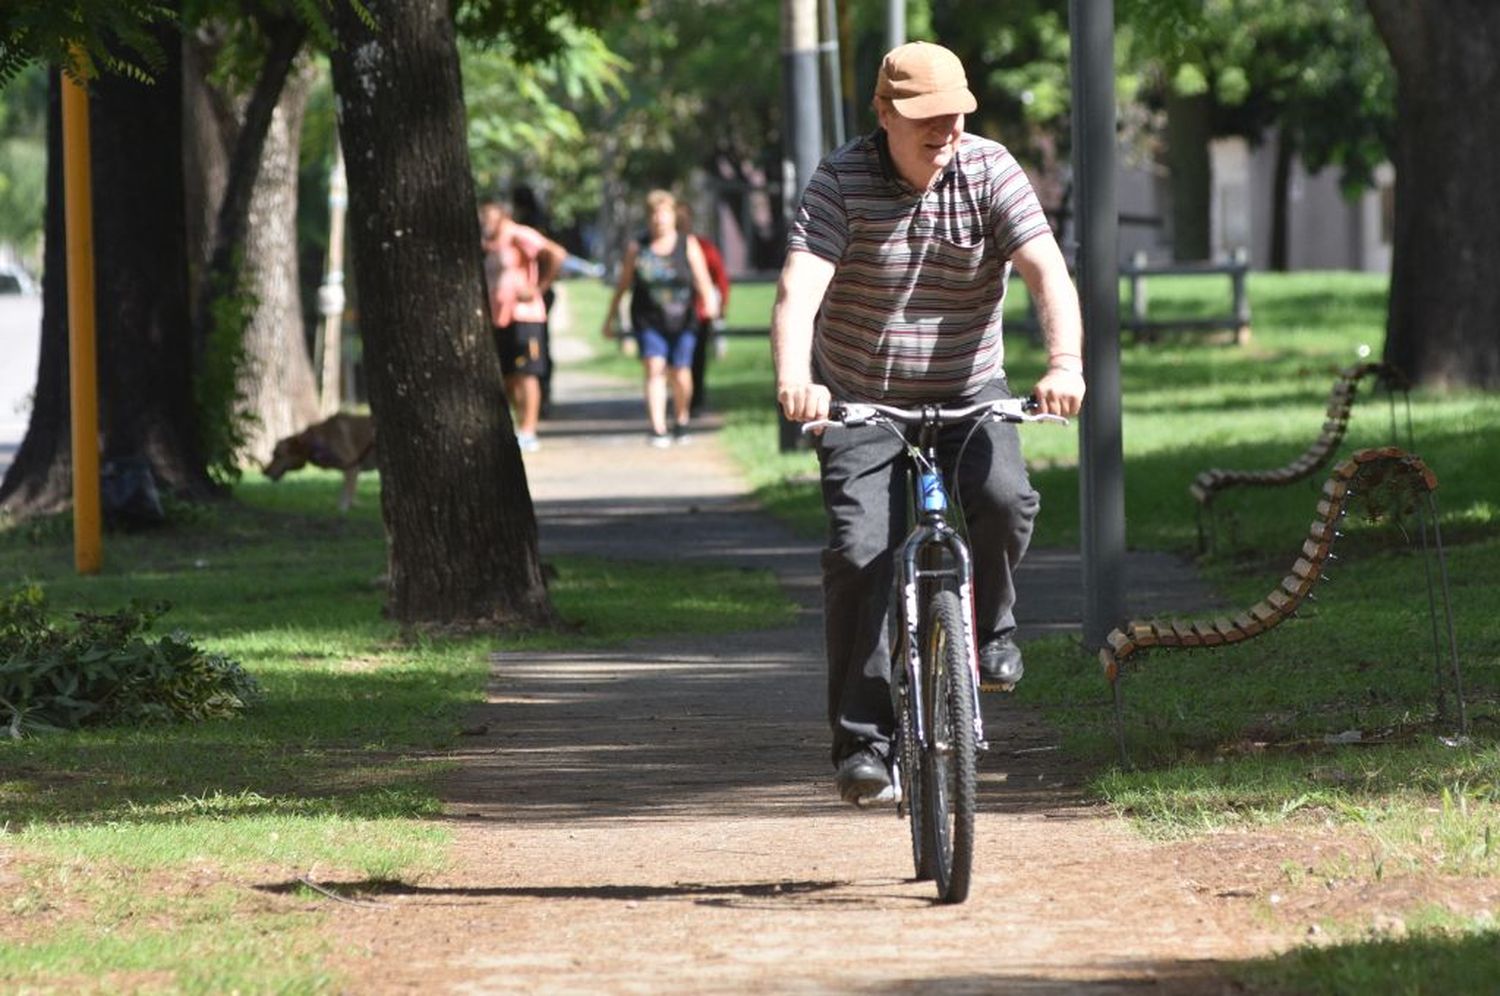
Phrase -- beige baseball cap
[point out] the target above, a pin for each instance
(924, 80)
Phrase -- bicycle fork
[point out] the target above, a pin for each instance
(932, 531)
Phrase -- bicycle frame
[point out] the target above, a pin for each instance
(933, 535)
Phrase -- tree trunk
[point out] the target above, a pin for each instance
(147, 406)
(285, 38)
(210, 126)
(462, 532)
(1281, 201)
(40, 479)
(1192, 177)
(277, 380)
(1443, 326)
(145, 372)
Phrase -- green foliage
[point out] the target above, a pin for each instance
(701, 88)
(83, 36)
(1317, 72)
(23, 160)
(23, 179)
(524, 116)
(104, 670)
(535, 29)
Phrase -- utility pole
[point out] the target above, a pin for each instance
(802, 128)
(1101, 478)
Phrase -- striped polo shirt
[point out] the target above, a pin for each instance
(913, 311)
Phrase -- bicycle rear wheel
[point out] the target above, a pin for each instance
(949, 781)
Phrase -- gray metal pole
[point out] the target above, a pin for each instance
(1101, 478)
(804, 103)
(895, 23)
(830, 49)
(802, 131)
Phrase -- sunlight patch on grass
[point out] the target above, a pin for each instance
(261, 954)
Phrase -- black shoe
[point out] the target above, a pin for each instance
(864, 779)
(1000, 664)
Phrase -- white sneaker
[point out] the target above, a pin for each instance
(660, 440)
(888, 796)
(528, 442)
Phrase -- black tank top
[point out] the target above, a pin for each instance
(661, 297)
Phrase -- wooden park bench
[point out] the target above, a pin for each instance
(1210, 483)
(1390, 481)
(1237, 321)
(1136, 320)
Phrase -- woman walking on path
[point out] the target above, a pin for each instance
(665, 274)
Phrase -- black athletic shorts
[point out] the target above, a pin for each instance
(523, 348)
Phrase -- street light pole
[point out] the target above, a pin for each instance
(802, 129)
(1101, 477)
(895, 23)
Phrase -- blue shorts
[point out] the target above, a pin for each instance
(676, 348)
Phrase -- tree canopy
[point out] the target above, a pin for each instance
(1318, 73)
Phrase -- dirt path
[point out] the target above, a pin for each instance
(662, 818)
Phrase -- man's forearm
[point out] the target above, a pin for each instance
(1062, 324)
(799, 294)
(791, 341)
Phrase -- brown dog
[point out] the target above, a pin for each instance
(342, 442)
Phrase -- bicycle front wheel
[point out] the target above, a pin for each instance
(909, 763)
(949, 780)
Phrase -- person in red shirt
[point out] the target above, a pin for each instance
(710, 313)
(520, 263)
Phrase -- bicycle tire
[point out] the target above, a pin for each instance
(909, 760)
(950, 781)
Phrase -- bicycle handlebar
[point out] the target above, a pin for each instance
(852, 413)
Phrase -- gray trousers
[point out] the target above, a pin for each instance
(865, 494)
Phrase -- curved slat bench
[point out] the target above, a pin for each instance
(1366, 473)
(1207, 485)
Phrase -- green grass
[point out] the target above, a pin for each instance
(137, 859)
(1440, 958)
(1237, 737)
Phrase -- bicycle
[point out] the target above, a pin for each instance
(935, 657)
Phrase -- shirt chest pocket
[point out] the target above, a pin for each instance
(959, 258)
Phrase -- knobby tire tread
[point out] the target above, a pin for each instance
(950, 782)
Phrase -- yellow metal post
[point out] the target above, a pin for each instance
(83, 379)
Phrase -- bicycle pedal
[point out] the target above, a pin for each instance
(997, 686)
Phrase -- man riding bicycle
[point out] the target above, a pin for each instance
(892, 292)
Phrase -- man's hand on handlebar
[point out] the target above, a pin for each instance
(1059, 392)
(803, 402)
